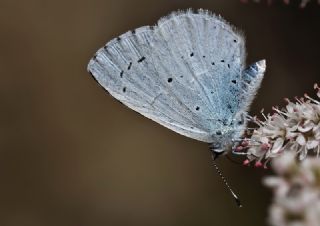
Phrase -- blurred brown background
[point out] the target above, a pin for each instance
(70, 155)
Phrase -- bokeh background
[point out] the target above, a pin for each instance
(70, 155)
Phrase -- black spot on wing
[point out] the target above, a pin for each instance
(225, 122)
(192, 54)
(230, 108)
(141, 59)
(130, 64)
(169, 80)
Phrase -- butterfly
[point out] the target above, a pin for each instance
(186, 73)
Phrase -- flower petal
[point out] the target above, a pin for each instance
(301, 139)
(277, 145)
(311, 144)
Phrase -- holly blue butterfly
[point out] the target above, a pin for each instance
(187, 73)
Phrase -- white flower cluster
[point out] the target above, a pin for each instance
(303, 3)
(296, 200)
(296, 128)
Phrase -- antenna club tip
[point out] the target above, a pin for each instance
(227, 185)
(238, 202)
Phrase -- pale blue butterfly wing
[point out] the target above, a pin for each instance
(186, 73)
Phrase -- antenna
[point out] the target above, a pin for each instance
(225, 181)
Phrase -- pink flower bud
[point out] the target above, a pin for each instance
(258, 164)
(246, 162)
(239, 148)
(265, 146)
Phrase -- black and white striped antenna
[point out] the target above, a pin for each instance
(236, 198)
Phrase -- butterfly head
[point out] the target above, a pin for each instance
(222, 145)
(226, 138)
